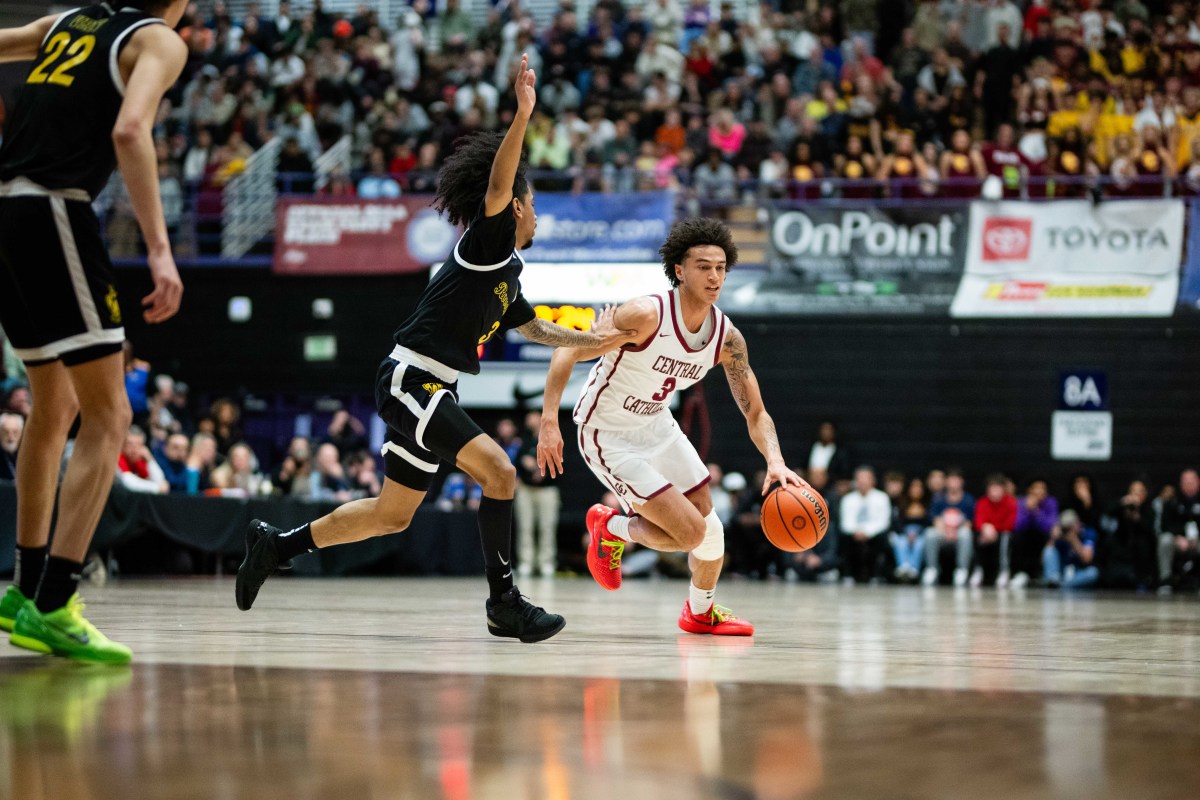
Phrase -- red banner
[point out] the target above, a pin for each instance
(348, 236)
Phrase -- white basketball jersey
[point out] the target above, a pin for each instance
(630, 385)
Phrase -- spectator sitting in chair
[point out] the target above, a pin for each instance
(1179, 535)
(136, 468)
(909, 522)
(12, 426)
(827, 459)
(953, 512)
(172, 457)
(1068, 560)
(200, 462)
(1127, 549)
(995, 518)
(363, 474)
(328, 478)
(1037, 514)
(239, 474)
(866, 515)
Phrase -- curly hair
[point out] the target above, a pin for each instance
(689, 233)
(463, 180)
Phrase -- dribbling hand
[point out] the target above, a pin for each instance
(783, 476)
(526, 94)
(162, 303)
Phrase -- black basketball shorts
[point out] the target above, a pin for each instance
(58, 298)
(425, 423)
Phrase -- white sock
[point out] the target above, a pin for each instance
(618, 526)
(701, 600)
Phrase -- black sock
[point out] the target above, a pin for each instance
(295, 542)
(59, 582)
(27, 573)
(495, 529)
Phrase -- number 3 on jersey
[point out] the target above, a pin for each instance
(667, 387)
(488, 335)
(79, 50)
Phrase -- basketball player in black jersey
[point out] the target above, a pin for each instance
(474, 296)
(97, 77)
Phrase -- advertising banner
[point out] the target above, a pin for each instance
(863, 259)
(345, 236)
(1189, 289)
(1072, 258)
(591, 227)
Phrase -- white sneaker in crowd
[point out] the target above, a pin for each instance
(960, 577)
(976, 578)
(930, 578)
(1002, 580)
(1019, 581)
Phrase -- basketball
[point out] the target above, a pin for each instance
(794, 518)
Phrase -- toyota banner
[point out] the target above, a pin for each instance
(1072, 258)
(866, 259)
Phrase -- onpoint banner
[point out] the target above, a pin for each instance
(346, 236)
(862, 259)
(1072, 258)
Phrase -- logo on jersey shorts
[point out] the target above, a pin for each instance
(114, 308)
(501, 291)
(432, 388)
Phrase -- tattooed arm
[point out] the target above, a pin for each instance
(745, 390)
(603, 336)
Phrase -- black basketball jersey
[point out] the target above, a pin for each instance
(475, 295)
(59, 134)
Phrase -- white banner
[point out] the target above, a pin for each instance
(1071, 258)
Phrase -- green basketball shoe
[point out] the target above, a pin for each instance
(10, 606)
(65, 632)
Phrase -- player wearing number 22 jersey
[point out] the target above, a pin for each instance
(95, 79)
(630, 441)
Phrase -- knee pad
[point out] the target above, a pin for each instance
(713, 546)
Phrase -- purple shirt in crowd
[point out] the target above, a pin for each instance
(1043, 518)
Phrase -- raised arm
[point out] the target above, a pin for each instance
(151, 63)
(21, 44)
(639, 317)
(745, 390)
(508, 157)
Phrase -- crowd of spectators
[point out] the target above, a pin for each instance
(929, 529)
(790, 97)
(932, 530)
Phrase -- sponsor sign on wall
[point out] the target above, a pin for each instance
(1189, 289)
(339, 236)
(863, 259)
(595, 227)
(1072, 258)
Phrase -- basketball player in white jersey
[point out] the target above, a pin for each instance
(629, 438)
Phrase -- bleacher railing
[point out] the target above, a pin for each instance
(248, 208)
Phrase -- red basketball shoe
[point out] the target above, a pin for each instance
(718, 621)
(604, 553)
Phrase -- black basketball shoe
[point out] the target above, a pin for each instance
(260, 562)
(515, 617)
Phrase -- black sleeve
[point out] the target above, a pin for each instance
(518, 313)
(490, 241)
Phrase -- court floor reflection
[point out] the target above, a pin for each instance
(69, 732)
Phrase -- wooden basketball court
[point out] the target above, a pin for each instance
(393, 688)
